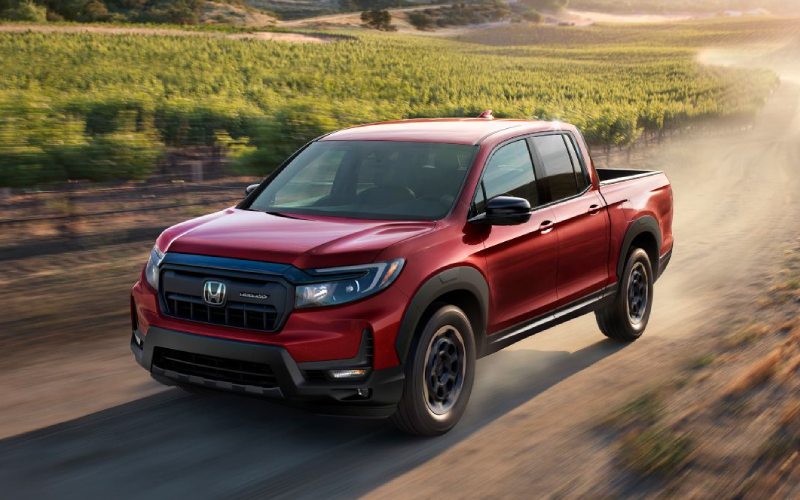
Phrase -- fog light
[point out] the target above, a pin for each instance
(363, 393)
(137, 340)
(348, 374)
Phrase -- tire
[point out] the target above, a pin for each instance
(625, 319)
(445, 345)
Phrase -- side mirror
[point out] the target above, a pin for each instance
(507, 211)
(249, 189)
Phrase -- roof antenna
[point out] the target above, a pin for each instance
(487, 114)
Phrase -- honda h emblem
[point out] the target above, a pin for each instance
(214, 293)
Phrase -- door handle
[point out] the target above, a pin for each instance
(594, 209)
(546, 226)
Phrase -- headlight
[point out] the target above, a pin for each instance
(355, 282)
(151, 270)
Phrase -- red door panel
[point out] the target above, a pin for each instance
(522, 264)
(583, 245)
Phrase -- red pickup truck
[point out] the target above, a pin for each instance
(370, 270)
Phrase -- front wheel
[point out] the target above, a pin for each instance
(626, 317)
(439, 375)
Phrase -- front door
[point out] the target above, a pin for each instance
(522, 259)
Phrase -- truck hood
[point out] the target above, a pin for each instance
(307, 242)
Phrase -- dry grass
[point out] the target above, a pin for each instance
(648, 446)
(791, 414)
(756, 374)
(786, 291)
(790, 368)
(643, 411)
(746, 335)
(788, 326)
(702, 361)
(655, 450)
(791, 356)
(785, 441)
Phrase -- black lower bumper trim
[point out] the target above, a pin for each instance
(377, 395)
(663, 262)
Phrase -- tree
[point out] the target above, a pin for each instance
(532, 15)
(370, 4)
(545, 5)
(71, 10)
(157, 11)
(38, 146)
(421, 20)
(177, 12)
(278, 136)
(24, 10)
(378, 19)
(95, 10)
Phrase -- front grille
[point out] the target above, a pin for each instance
(235, 314)
(213, 368)
(252, 302)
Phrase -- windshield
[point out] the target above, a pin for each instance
(370, 180)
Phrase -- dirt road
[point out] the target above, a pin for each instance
(529, 424)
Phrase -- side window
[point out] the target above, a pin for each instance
(557, 166)
(509, 172)
(580, 175)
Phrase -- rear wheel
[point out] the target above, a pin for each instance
(439, 375)
(626, 317)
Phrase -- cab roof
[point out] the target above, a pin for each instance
(444, 130)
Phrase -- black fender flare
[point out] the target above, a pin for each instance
(644, 224)
(462, 278)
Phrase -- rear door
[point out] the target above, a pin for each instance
(580, 215)
(521, 259)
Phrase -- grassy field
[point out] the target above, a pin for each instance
(686, 34)
(62, 91)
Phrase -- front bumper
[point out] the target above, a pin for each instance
(376, 395)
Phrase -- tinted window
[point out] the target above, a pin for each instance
(580, 177)
(557, 166)
(509, 172)
(370, 180)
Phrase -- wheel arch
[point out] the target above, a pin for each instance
(464, 287)
(643, 233)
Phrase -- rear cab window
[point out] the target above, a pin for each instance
(558, 166)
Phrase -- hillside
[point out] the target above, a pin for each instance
(292, 9)
(299, 9)
(228, 12)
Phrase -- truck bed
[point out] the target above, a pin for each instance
(633, 194)
(614, 175)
